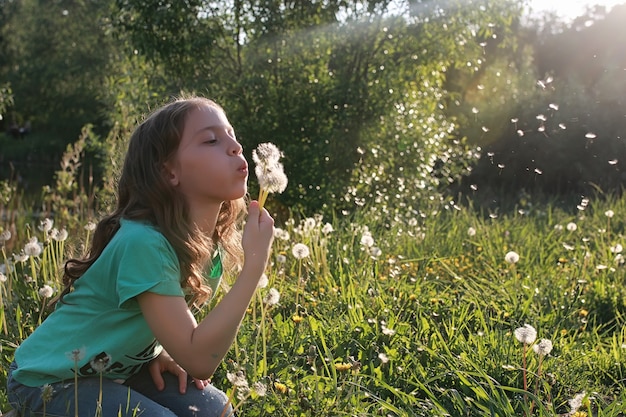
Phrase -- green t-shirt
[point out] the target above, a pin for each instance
(101, 319)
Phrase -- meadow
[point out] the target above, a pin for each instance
(449, 311)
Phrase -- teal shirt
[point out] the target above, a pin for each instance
(101, 318)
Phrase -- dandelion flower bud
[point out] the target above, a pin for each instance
(526, 335)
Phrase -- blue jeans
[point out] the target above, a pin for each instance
(137, 397)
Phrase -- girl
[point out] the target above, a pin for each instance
(126, 333)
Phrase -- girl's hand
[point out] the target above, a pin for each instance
(164, 363)
(258, 234)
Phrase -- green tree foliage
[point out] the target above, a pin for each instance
(317, 78)
(56, 55)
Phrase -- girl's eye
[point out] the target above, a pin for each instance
(210, 141)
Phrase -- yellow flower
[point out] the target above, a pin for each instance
(579, 414)
(296, 318)
(583, 312)
(280, 387)
(342, 367)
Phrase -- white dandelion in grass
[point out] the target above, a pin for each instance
(300, 251)
(272, 297)
(33, 247)
(543, 348)
(511, 257)
(46, 291)
(526, 334)
(269, 171)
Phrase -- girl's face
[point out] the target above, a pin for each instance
(208, 167)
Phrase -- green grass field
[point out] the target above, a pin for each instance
(417, 317)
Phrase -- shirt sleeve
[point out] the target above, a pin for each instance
(147, 263)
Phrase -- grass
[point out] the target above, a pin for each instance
(417, 319)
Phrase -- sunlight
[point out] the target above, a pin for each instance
(568, 9)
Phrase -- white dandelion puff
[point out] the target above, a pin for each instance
(272, 297)
(526, 334)
(300, 251)
(543, 348)
(46, 291)
(511, 257)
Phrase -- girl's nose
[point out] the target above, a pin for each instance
(237, 149)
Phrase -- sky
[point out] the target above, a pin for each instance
(569, 9)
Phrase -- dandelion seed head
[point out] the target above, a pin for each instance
(46, 225)
(471, 232)
(281, 259)
(271, 178)
(263, 281)
(328, 228)
(383, 358)
(61, 235)
(576, 402)
(90, 227)
(367, 240)
(543, 348)
(511, 257)
(272, 297)
(76, 355)
(526, 334)
(609, 213)
(5, 236)
(46, 291)
(266, 154)
(101, 363)
(238, 379)
(260, 389)
(33, 248)
(571, 227)
(300, 251)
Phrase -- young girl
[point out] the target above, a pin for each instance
(126, 333)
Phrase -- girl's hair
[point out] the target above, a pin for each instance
(145, 193)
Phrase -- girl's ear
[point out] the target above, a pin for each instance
(171, 174)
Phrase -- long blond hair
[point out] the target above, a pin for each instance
(144, 193)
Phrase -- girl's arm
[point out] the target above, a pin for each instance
(200, 347)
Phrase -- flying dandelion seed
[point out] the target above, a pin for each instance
(562, 126)
(514, 120)
(538, 171)
(590, 135)
(553, 106)
(541, 117)
(475, 110)
(520, 132)
(613, 162)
